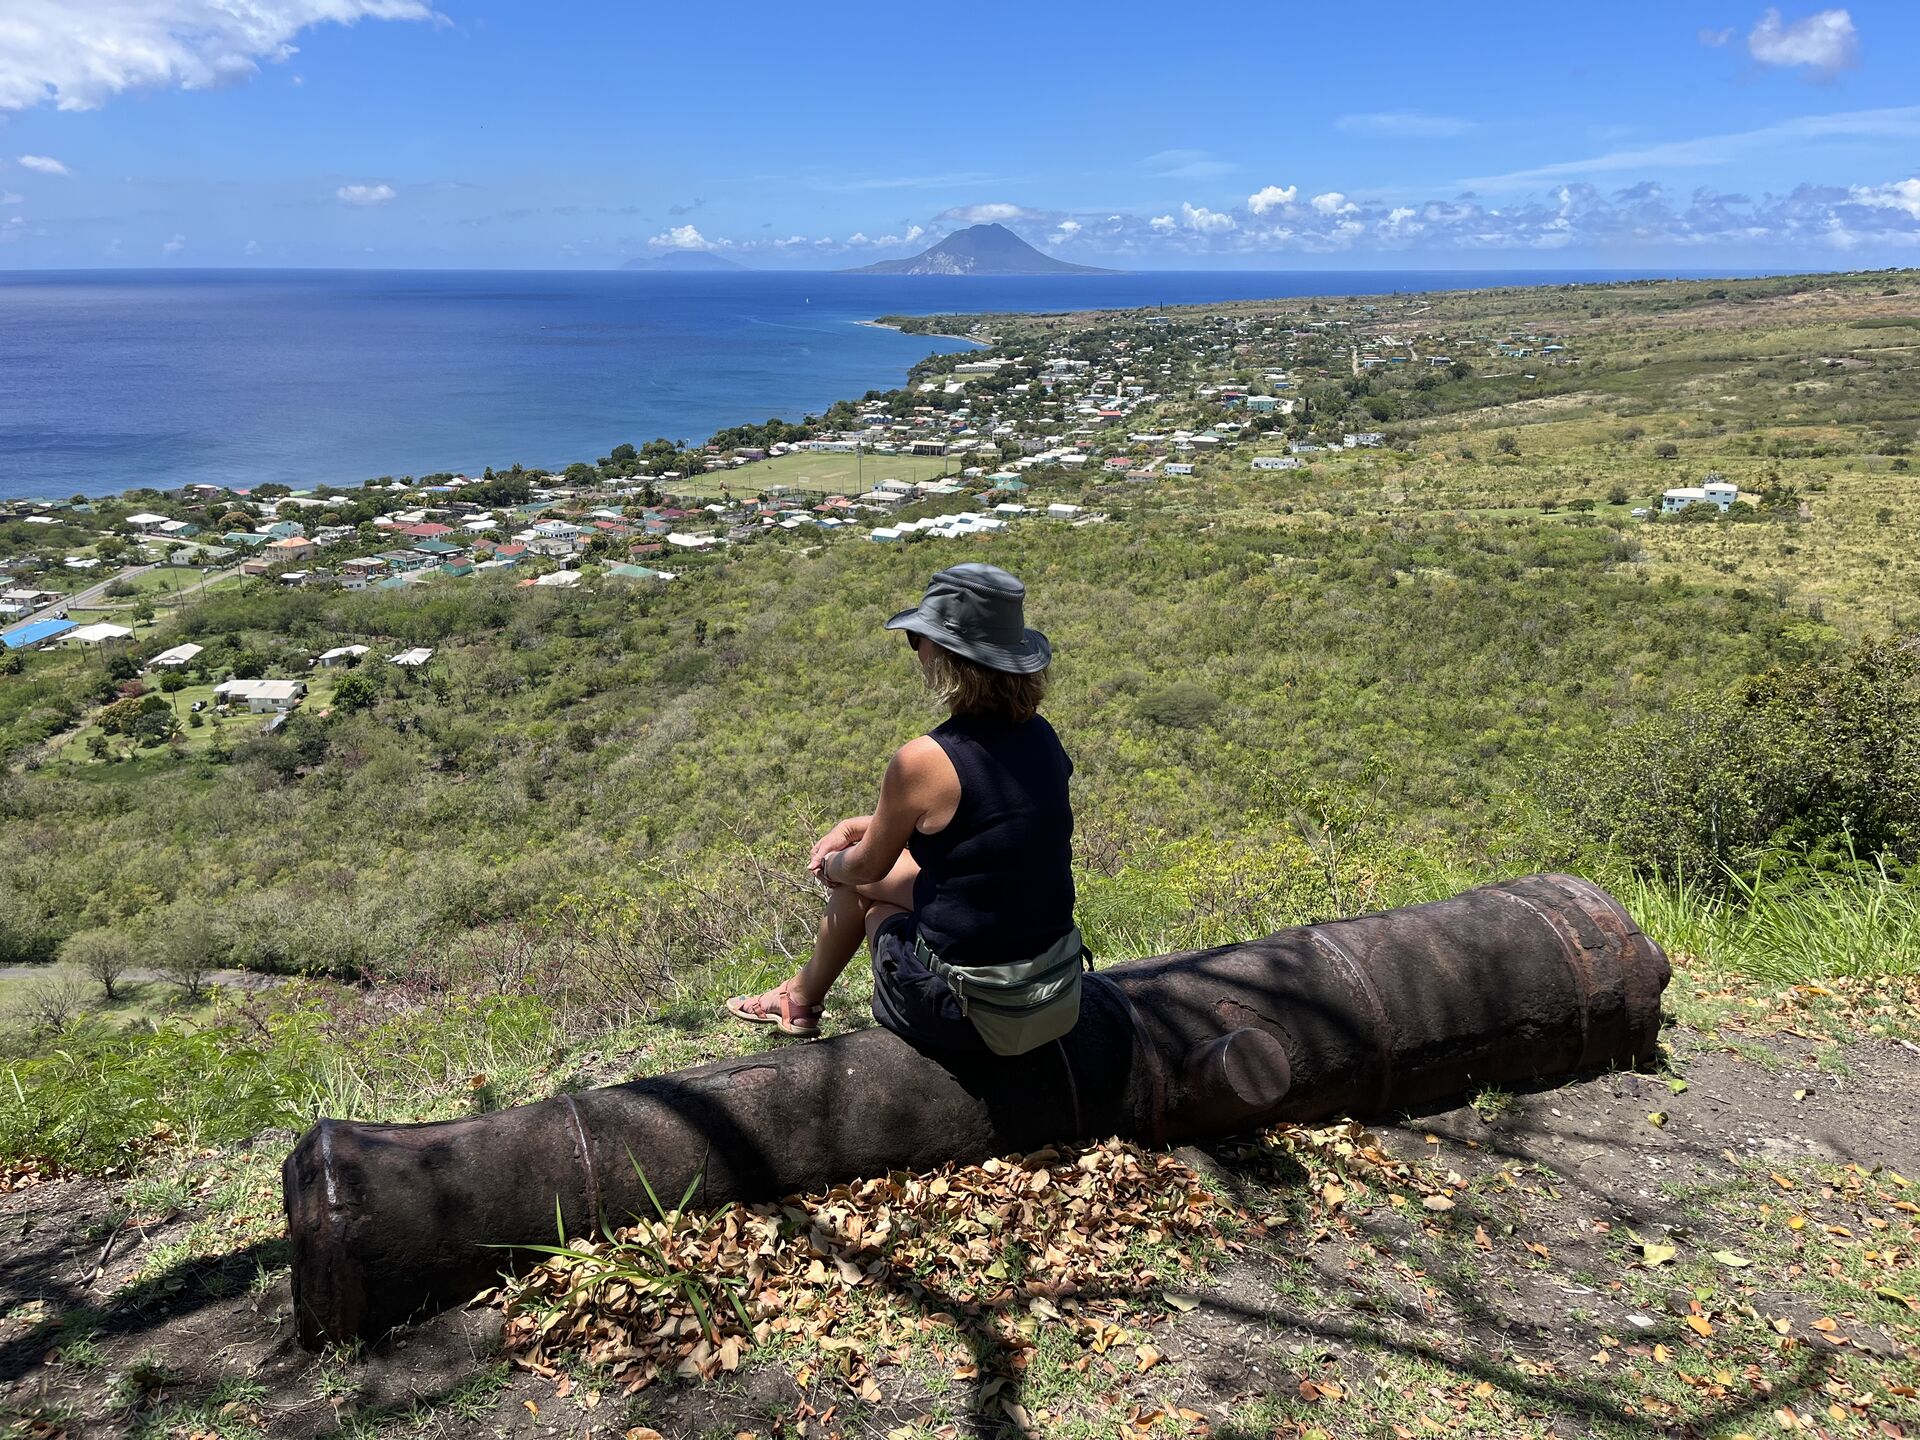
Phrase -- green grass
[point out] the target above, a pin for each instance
(1792, 929)
(827, 472)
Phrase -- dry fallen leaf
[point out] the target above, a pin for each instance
(1700, 1324)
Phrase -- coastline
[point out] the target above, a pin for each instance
(930, 334)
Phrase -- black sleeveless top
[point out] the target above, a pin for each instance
(996, 884)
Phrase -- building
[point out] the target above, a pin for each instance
(178, 658)
(411, 659)
(289, 547)
(1276, 462)
(261, 696)
(339, 653)
(35, 632)
(1719, 493)
(97, 634)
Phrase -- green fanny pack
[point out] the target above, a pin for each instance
(1021, 1005)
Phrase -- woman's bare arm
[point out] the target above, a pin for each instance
(920, 780)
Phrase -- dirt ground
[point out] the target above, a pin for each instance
(1537, 1302)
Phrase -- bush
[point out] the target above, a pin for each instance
(1184, 706)
(1665, 450)
(1819, 760)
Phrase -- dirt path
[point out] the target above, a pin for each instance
(1525, 1310)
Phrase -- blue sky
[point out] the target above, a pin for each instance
(583, 133)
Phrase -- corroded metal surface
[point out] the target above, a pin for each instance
(1531, 979)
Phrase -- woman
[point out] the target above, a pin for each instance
(960, 880)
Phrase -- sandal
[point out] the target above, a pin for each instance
(801, 1020)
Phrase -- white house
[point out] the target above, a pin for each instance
(559, 580)
(1064, 511)
(146, 521)
(883, 534)
(411, 659)
(1719, 493)
(176, 658)
(330, 658)
(1276, 462)
(96, 634)
(261, 696)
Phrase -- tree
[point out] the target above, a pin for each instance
(101, 955)
(354, 693)
(1665, 450)
(188, 950)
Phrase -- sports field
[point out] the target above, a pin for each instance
(829, 473)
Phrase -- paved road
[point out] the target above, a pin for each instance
(96, 593)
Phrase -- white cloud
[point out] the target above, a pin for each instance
(1825, 43)
(1333, 203)
(174, 246)
(1405, 125)
(1161, 222)
(364, 194)
(1272, 197)
(685, 237)
(856, 238)
(1903, 195)
(77, 54)
(992, 213)
(43, 164)
(1205, 221)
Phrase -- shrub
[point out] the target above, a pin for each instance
(1184, 706)
(1816, 760)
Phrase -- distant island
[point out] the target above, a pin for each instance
(979, 250)
(684, 260)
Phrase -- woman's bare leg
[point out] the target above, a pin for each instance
(853, 912)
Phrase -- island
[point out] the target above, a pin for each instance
(979, 250)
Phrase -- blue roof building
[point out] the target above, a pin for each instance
(34, 632)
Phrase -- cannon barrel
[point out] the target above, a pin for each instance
(1505, 984)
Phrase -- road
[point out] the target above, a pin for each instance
(96, 593)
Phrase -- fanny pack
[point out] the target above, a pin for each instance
(1021, 1005)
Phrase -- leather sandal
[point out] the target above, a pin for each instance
(801, 1020)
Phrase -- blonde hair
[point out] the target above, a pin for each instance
(968, 688)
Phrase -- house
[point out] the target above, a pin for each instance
(637, 572)
(1276, 462)
(252, 539)
(692, 542)
(411, 659)
(425, 530)
(289, 547)
(1177, 467)
(35, 632)
(283, 530)
(884, 534)
(1061, 510)
(178, 658)
(340, 653)
(97, 634)
(261, 697)
(437, 549)
(30, 599)
(559, 580)
(1715, 492)
(1365, 439)
(146, 522)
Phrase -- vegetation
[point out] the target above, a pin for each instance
(539, 862)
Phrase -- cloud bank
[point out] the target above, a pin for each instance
(78, 54)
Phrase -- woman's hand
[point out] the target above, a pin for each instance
(847, 833)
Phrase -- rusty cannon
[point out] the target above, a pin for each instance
(1506, 984)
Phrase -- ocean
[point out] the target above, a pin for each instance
(110, 380)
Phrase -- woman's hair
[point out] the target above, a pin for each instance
(967, 688)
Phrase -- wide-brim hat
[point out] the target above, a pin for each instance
(978, 612)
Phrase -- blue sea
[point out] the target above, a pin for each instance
(115, 379)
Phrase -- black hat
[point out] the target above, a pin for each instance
(978, 611)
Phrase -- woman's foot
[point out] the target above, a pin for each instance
(778, 1007)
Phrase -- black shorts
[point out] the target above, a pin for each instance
(911, 1000)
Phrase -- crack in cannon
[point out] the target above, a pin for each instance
(1506, 984)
